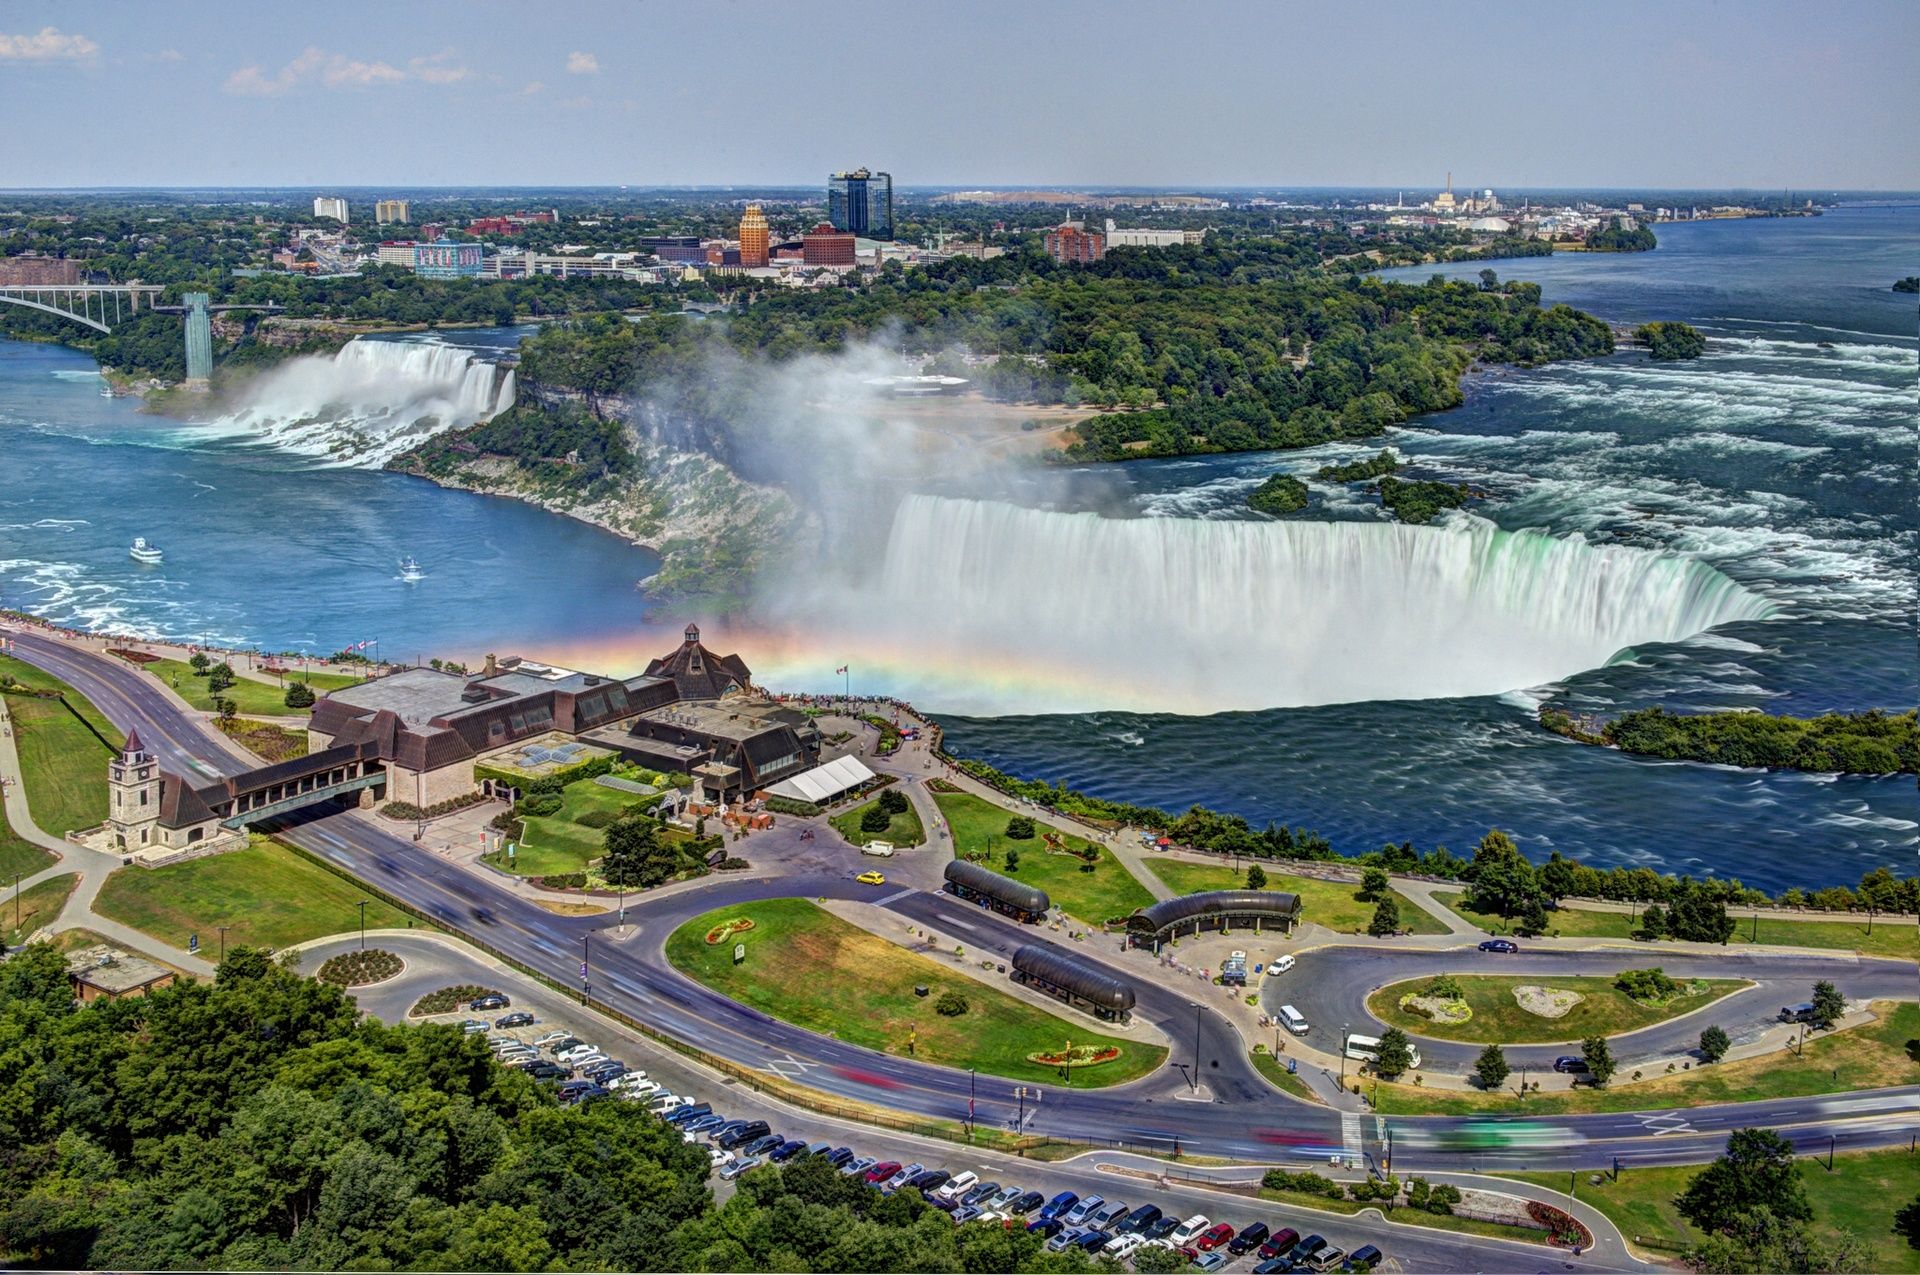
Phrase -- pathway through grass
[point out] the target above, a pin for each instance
(1337, 905)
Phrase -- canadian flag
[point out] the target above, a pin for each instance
(843, 668)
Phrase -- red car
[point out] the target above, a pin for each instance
(1213, 1237)
(883, 1170)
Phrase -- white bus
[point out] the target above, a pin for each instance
(1367, 1049)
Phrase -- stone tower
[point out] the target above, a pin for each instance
(133, 786)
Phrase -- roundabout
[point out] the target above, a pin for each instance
(1505, 1009)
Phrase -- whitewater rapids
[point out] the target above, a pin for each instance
(1014, 609)
(367, 402)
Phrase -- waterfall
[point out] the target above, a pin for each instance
(369, 401)
(1083, 612)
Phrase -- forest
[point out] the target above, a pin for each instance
(258, 1122)
(1872, 743)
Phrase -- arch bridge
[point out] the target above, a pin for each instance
(97, 305)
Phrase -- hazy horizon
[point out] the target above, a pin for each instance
(1641, 96)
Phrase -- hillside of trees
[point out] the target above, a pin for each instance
(1873, 743)
(1615, 237)
(257, 1123)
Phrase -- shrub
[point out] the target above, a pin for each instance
(358, 968)
(407, 810)
(732, 864)
(1446, 987)
(564, 881)
(1305, 1183)
(950, 1005)
(539, 805)
(598, 819)
(893, 801)
(1442, 1198)
(1647, 985)
(875, 820)
(448, 999)
(299, 695)
(1020, 828)
(788, 806)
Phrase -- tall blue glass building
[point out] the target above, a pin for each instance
(861, 202)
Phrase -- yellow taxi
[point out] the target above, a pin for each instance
(871, 878)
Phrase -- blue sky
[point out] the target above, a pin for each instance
(989, 92)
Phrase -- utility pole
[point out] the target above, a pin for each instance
(16, 899)
(1343, 1057)
(223, 939)
(363, 923)
(1193, 1081)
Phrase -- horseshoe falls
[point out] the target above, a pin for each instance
(367, 403)
(1080, 612)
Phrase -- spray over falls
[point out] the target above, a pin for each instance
(368, 402)
(1061, 612)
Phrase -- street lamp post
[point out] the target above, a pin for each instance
(16, 898)
(1343, 1057)
(586, 988)
(223, 938)
(1193, 1081)
(970, 1097)
(363, 923)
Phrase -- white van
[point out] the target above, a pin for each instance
(1367, 1049)
(880, 849)
(1293, 1020)
(1280, 964)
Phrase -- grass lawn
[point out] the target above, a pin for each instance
(260, 699)
(554, 845)
(38, 905)
(1858, 1198)
(1275, 1070)
(64, 764)
(18, 855)
(1108, 893)
(812, 969)
(266, 896)
(1335, 904)
(1892, 936)
(902, 829)
(1869, 1057)
(1606, 1011)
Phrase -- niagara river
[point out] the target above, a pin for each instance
(1735, 532)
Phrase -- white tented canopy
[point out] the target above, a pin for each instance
(824, 782)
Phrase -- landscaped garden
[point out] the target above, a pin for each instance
(808, 967)
(250, 697)
(863, 824)
(266, 896)
(1520, 1009)
(63, 763)
(1858, 1198)
(571, 834)
(1891, 935)
(1053, 860)
(1337, 905)
(1867, 1057)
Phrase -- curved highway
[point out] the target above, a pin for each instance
(1245, 1118)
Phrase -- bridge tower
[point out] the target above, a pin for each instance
(199, 341)
(133, 785)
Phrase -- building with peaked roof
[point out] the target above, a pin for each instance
(697, 673)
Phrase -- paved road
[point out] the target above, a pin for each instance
(1242, 1120)
(1330, 987)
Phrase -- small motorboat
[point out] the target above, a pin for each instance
(410, 570)
(141, 551)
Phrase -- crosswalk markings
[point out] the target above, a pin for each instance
(1350, 1132)
(901, 893)
(787, 1067)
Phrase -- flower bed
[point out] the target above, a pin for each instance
(357, 969)
(1078, 1056)
(1439, 1009)
(448, 999)
(403, 810)
(1563, 1231)
(726, 930)
(1546, 1002)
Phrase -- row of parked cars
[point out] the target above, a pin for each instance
(578, 1070)
(1093, 1224)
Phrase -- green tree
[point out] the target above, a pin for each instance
(1386, 918)
(1699, 916)
(1373, 883)
(893, 801)
(1153, 1260)
(1713, 1044)
(199, 662)
(1599, 1059)
(1256, 877)
(220, 677)
(1502, 879)
(1395, 1054)
(1556, 878)
(299, 695)
(1755, 1171)
(1020, 828)
(1653, 922)
(1491, 1068)
(224, 709)
(875, 819)
(635, 857)
(1757, 1242)
(1829, 1006)
(1906, 1222)
(1012, 859)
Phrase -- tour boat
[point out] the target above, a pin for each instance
(142, 551)
(410, 570)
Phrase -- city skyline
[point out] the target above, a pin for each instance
(1657, 98)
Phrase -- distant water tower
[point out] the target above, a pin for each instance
(199, 341)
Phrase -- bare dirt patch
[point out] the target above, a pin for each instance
(1546, 1002)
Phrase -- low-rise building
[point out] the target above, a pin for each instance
(108, 973)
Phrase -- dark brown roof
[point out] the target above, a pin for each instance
(698, 673)
(182, 805)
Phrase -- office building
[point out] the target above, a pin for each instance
(448, 260)
(1122, 237)
(861, 202)
(386, 212)
(754, 236)
(330, 206)
(825, 246)
(1071, 243)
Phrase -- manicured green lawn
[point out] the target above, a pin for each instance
(18, 855)
(1497, 1017)
(1275, 1070)
(1335, 904)
(257, 699)
(36, 906)
(1870, 1057)
(555, 844)
(902, 829)
(64, 763)
(808, 967)
(1858, 1198)
(1892, 936)
(266, 896)
(1107, 893)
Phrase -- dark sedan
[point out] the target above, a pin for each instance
(1499, 945)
